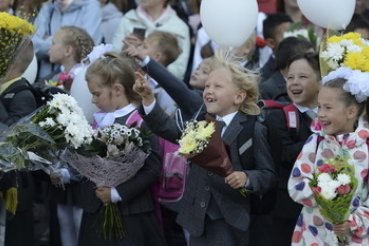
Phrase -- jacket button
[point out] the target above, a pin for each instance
(202, 204)
(207, 188)
(210, 174)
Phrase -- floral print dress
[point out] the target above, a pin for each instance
(311, 228)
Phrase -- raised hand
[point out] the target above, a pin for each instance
(132, 51)
(133, 40)
(142, 88)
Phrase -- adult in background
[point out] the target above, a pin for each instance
(154, 15)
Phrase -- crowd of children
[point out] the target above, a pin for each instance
(145, 75)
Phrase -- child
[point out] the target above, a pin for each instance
(163, 47)
(15, 105)
(110, 82)
(303, 83)
(213, 211)
(70, 46)
(343, 133)
(274, 27)
(187, 100)
(275, 87)
(53, 15)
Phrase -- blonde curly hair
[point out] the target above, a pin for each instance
(243, 78)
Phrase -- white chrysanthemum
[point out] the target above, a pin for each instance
(343, 178)
(50, 122)
(365, 42)
(346, 43)
(334, 52)
(334, 184)
(328, 193)
(354, 48)
(63, 119)
(324, 178)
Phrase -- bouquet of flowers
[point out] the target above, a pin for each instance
(12, 32)
(114, 157)
(334, 187)
(201, 143)
(308, 33)
(349, 50)
(59, 125)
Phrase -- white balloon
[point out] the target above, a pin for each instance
(229, 22)
(80, 92)
(31, 72)
(332, 14)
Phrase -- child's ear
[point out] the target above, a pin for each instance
(270, 42)
(119, 89)
(352, 112)
(159, 57)
(69, 50)
(240, 97)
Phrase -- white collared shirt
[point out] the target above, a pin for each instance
(227, 120)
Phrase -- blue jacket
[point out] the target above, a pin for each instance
(86, 14)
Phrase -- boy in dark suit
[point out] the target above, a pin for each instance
(274, 27)
(213, 210)
(303, 84)
(19, 228)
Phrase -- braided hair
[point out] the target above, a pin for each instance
(79, 39)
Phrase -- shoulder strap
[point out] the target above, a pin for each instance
(292, 119)
(291, 116)
(135, 117)
(245, 143)
(7, 97)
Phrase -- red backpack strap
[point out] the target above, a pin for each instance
(263, 103)
(292, 117)
(135, 117)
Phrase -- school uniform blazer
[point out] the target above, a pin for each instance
(291, 146)
(268, 69)
(189, 101)
(272, 87)
(22, 104)
(7, 180)
(204, 189)
(135, 193)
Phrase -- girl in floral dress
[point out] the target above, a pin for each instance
(339, 131)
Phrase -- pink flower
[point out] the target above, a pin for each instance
(316, 125)
(316, 190)
(343, 189)
(326, 168)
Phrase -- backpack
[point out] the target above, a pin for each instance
(290, 112)
(260, 204)
(174, 171)
(41, 92)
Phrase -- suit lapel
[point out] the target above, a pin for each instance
(234, 128)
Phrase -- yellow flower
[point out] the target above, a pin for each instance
(354, 60)
(352, 36)
(12, 31)
(188, 145)
(15, 25)
(205, 131)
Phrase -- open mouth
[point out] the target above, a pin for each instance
(325, 123)
(210, 100)
(296, 92)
